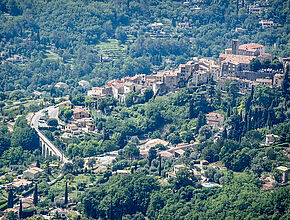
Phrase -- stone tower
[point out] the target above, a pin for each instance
(235, 46)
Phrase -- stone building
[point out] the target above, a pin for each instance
(277, 80)
(32, 173)
(284, 171)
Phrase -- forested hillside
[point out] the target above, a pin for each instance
(72, 40)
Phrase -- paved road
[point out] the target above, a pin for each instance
(52, 112)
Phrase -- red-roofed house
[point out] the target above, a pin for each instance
(215, 119)
(80, 112)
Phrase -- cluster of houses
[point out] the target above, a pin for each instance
(24, 181)
(258, 8)
(233, 65)
(215, 120)
(192, 73)
(81, 120)
(172, 152)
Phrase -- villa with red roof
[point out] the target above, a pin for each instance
(215, 119)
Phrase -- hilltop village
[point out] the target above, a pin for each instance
(236, 65)
(233, 65)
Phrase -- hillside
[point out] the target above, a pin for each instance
(160, 33)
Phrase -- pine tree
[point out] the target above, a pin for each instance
(20, 209)
(66, 195)
(10, 199)
(35, 195)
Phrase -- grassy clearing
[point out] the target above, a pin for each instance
(112, 49)
(51, 56)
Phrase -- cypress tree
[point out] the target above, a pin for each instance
(152, 155)
(260, 120)
(249, 124)
(252, 92)
(52, 198)
(191, 109)
(243, 128)
(229, 112)
(241, 116)
(246, 120)
(269, 120)
(249, 100)
(264, 118)
(285, 83)
(35, 195)
(47, 168)
(160, 164)
(37, 164)
(66, 194)
(225, 134)
(20, 209)
(10, 199)
(201, 120)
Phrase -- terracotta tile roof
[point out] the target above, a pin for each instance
(263, 80)
(179, 166)
(250, 46)
(72, 125)
(128, 84)
(213, 114)
(97, 88)
(118, 85)
(278, 75)
(236, 59)
(265, 55)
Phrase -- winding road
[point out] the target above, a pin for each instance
(52, 112)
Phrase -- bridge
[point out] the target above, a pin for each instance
(47, 147)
